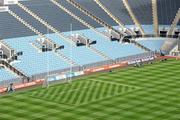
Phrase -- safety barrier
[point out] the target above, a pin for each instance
(24, 85)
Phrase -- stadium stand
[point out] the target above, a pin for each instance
(174, 23)
(133, 16)
(6, 74)
(112, 49)
(95, 10)
(142, 10)
(167, 10)
(29, 26)
(29, 62)
(6, 29)
(154, 44)
(53, 15)
(82, 55)
(118, 9)
(41, 28)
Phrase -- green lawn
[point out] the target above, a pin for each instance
(148, 93)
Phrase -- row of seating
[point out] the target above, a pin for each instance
(112, 49)
(11, 28)
(167, 10)
(142, 10)
(32, 62)
(154, 44)
(6, 74)
(28, 18)
(81, 55)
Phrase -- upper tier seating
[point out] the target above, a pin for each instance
(28, 18)
(10, 27)
(142, 9)
(112, 49)
(33, 62)
(56, 17)
(167, 10)
(118, 9)
(96, 10)
(147, 28)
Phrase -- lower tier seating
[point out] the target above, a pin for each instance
(154, 44)
(112, 49)
(34, 62)
(6, 75)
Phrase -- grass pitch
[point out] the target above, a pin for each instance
(148, 93)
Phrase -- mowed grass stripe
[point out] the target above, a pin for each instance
(158, 97)
(73, 91)
(92, 86)
(77, 94)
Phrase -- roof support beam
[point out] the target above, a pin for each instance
(135, 20)
(95, 18)
(155, 17)
(118, 21)
(174, 23)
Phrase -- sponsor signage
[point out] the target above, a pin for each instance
(24, 85)
(141, 60)
(105, 67)
(65, 75)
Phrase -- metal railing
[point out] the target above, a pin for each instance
(78, 68)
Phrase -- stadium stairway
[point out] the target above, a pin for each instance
(112, 49)
(174, 23)
(51, 42)
(66, 58)
(61, 35)
(32, 62)
(44, 22)
(118, 21)
(29, 26)
(11, 27)
(135, 20)
(142, 9)
(102, 54)
(77, 18)
(109, 13)
(118, 9)
(95, 18)
(37, 45)
(169, 45)
(42, 36)
(155, 17)
(140, 45)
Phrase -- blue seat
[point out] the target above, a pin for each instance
(6, 75)
(112, 49)
(33, 62)
(152, 43)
